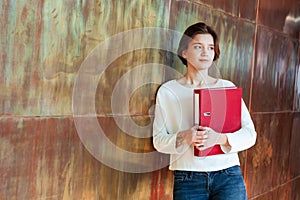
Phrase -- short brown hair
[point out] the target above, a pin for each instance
(191, 32)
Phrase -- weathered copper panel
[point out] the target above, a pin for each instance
(268, 163)
(129, 141)
(44, 43)
(297, 86)
(281, 192)
(37, 155)
(295, 185)
(236, 40)
(275, 71)
(295, 147)
(282, 15)
(44, 158)
(238, 8)
(142, 98)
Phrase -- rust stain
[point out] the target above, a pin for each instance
(6, 151)
(24, 15)
(263, 153)
(68, 174)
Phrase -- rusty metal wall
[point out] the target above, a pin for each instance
(44, 45)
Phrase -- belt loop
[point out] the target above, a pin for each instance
(190, 175)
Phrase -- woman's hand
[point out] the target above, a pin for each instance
(206, 137)
(186, 136)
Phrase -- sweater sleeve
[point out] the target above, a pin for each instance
(245, 137)
(164, 141)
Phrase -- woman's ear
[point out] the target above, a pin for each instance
(183, 54)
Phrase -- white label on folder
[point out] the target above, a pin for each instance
(196, 109)
(206, 114)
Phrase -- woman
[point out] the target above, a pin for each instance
(211, 177)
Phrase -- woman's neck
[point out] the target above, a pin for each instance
(197, 79)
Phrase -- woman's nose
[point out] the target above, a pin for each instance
(204, 51)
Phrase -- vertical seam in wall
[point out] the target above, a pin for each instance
(169, 20)
(253, 57)
(169, 12)
(296, 86)
(252, 76)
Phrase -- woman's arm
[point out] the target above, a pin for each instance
(166, 136)
(243, 138)
(240, 140)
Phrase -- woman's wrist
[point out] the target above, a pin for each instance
(180, 139)
(223, 140)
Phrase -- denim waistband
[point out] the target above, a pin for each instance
(235, 167)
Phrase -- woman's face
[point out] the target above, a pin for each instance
(200, 52)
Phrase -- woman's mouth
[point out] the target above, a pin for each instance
(204, 60)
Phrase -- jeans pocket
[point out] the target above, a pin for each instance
(233, 171)
(180, 176)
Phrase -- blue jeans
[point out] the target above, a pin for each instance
(227, 184)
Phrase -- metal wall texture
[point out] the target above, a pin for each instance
(45, 45)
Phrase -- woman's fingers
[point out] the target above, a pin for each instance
(205, 138)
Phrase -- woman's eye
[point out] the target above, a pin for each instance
(211, 48)
(197, 47)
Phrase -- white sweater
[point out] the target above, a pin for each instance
(174, 113)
